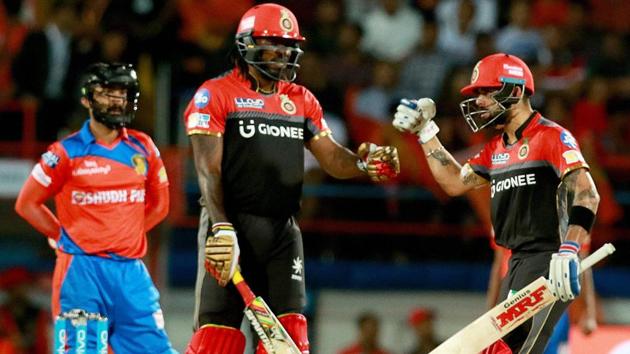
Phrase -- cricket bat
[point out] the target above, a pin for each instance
(272, 334)
(509, 314)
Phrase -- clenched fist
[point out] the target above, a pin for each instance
(415, 116)
(222, 252)
(380, 163)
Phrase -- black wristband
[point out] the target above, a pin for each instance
(582, 216)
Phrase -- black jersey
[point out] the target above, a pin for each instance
(264, 135)
(524, 179)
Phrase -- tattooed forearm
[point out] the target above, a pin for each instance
(471, 180)
(443, 158)
(580, 184)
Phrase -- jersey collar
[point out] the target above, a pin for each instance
(88, 138)
(521, 130)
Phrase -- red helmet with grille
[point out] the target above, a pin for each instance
(269, 20)
(276, 24)
(495, 70)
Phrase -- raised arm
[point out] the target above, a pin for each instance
(417, 117)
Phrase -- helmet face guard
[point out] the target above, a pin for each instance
(479, 117)
(107, 77)
(282, 68)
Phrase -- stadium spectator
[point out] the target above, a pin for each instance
(519, 37)
(42, 69)
(421, 321)
(391, 30)
(368, 342)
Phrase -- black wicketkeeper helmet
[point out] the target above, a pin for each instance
(116, 75)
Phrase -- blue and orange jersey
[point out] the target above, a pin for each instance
(527, 203)
(100, 191)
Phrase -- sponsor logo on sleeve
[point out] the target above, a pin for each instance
(572, 156)
(202, 98)
(568, 140)
(198, 120)
(50, 159)
(163, 178)
(297, 266)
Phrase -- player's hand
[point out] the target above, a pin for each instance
(564, 271)
(588, 324)
(415, 116)
(380, 163)
(222, 252)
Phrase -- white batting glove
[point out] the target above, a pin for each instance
(416, 116)
(564, 271)
(222, 252)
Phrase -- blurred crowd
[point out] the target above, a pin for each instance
(361, 57)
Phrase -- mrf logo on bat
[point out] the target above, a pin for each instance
(519, 305)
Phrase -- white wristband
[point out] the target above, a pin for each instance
(427, 132)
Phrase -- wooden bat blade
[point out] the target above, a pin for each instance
(511, 313)
(269, 329)
(272, 334)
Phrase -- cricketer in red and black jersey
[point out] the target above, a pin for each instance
(264, 136)
(524, 179)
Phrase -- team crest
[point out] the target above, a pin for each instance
(523, 151)
(475, 73)
(139, 164)
(287, 105)
(285, 21)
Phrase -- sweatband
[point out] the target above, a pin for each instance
(582, 216)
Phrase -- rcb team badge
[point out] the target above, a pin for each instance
(139, 164)
(287, 105)
(285, 21)
(523, 151)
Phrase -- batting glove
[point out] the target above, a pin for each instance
(564, 271)
(380, 163)
(416, 116)
(222, 252)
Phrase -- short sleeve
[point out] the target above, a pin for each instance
(480, 163)
(156, 176)
(316, 125)
(205, 114)
(52, 169)
(564, 153)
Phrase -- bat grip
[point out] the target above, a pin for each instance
(246, 292)
(601, 253)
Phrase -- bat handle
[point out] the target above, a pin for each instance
(246, 292)
(601, 253)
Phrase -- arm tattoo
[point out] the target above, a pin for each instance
(442, 158)
(470, 179)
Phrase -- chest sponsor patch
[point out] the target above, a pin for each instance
(500, 159)
(249, 129)
(512, 182)
(115, 196)
(91, 167)
(257, 103)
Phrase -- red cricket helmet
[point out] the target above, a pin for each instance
(275, 22)
(500, 73)
(269, 20)
(495, 70)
